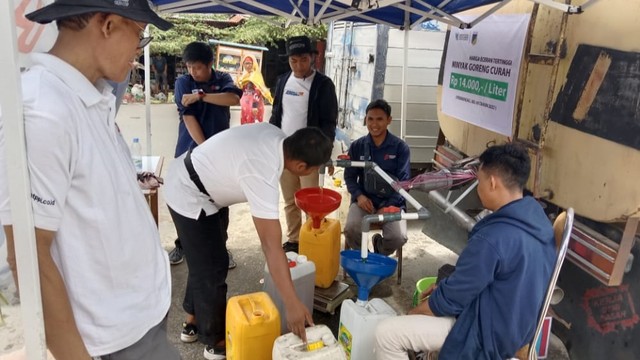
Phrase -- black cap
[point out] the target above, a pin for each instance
(300, 45)
(137, 10)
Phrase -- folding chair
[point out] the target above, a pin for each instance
(562, 227)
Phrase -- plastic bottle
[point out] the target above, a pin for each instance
(136, 153)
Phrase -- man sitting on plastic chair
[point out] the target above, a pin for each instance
(488, 307)
(370, 193)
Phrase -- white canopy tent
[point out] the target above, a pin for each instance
(404, 14)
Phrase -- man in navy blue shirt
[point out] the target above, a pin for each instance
(369, 193)
(487, 309)
(203, 97)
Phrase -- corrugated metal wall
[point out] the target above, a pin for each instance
(365, 62)
(424, 55)
(347, 63)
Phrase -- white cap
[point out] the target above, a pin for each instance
(301, 259)
(291, 255)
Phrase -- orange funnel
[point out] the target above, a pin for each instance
(317, 202)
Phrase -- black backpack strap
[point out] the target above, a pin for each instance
(194, 175)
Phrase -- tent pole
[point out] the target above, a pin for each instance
(147, 91)
(312, 12)
(405, 64)
(19, 185)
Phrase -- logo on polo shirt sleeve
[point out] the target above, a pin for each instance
(38, 199)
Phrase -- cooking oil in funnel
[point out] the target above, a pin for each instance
(367, 272)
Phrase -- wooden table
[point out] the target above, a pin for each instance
(152, 164)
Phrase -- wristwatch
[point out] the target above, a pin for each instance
(201, 94)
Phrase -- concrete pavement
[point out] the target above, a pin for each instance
(422, 255)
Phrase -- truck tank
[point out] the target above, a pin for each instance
(577, 110)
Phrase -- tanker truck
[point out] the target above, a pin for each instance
(575, 105)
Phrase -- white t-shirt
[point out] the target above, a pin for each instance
(84, 188)
(242, 164)
(295, 103)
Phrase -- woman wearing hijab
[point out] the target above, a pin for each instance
(254, 91)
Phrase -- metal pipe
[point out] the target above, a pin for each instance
(458, 215)
(394, 184)
(461, 197)
(422, 213)
(367, 220)
(573, 255)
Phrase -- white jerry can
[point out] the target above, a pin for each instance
(358, 325)
(303, 275)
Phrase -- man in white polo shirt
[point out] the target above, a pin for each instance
(105, 279)
(242, 164)
(304, 97)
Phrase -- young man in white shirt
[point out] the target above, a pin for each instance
(105, 279)
(242, 164)
(304, 97)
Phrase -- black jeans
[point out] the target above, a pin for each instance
(203, 241)
(224, 223)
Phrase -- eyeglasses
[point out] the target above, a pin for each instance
(144, 41)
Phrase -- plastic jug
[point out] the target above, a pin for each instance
(303, 274)
(321, 345)
(322, 246)
(253, 324)
(357, 327)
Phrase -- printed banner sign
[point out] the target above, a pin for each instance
(481, 71)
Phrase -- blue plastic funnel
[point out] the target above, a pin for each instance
(368, 272)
